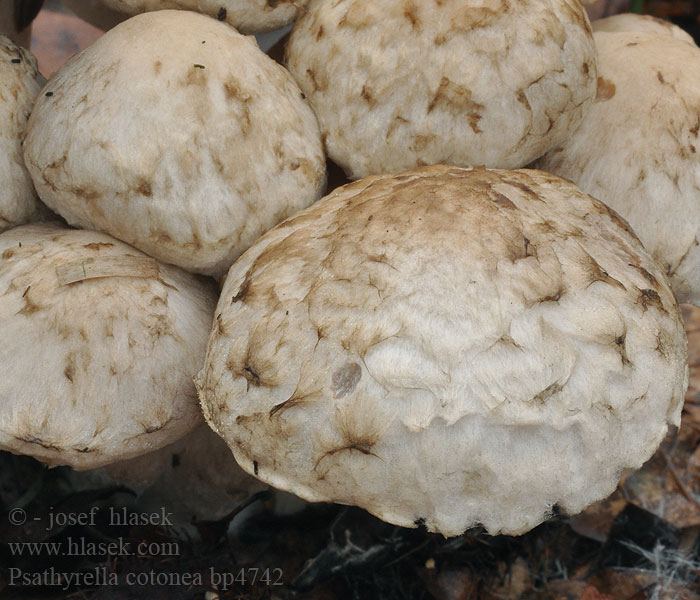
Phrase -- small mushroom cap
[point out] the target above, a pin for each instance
(20, 83)
(399, 84)
(100, 346)
(447, 347)
(176, 134)
(641, 24)
(248, 16)
(638, 149)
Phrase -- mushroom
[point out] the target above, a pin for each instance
(20, 83)
(399, 84)
(177, 135)
(637, 150)
(100, 344)
(641, 23)
(447, 347)
(248, 16)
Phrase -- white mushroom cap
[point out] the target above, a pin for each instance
(98, 370)
(639, 148)
(248, 16)
(176, 134)
(641, 23)
(449, 347)
(398, 84)
(20, 83)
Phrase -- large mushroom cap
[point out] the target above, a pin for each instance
(641, 24)
(638, 149)
(100, 344)
(20, 83)
(249, 16)
(176, 134)
(399, 84)
(447, 347)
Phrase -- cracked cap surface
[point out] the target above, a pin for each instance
(398, 84)
(447, 346)
(98, 370)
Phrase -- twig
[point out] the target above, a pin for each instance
(411, 551)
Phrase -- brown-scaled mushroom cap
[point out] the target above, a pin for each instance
(638, 150)
(177, 135)
(20, 83)
(248, 16)
(397, 84)
(100, 344)
(449, 347)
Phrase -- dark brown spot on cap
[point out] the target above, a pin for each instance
(251, 375)
(98, 245)
(242, 292)
(606, 90)
(649, 297)
(345, 379)
(145, 189)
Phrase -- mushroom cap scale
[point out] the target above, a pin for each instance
(448, 347)
(97, 369)
(177, 135)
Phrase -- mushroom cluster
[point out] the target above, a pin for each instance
(449, 340)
